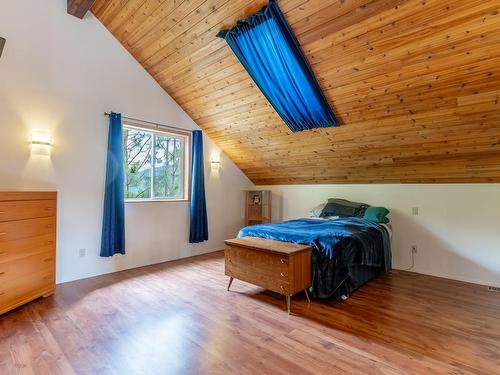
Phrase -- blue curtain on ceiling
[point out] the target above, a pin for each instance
(113, 223)
(268, 49)
(198, 231)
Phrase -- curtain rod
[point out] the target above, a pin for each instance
(153, 123)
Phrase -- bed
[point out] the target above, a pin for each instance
(347, 251)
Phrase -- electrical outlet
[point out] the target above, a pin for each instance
(414, 211)
(82, 252)
(414, 249)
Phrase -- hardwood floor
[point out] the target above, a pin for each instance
(178, 318)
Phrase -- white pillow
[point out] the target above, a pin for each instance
(331, 217)
(316, 211)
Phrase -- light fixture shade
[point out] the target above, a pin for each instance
(41, 143)
(2, 44)
(41, 138)
(215, 164)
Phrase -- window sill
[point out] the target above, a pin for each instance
(155, 200)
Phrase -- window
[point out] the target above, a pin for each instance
(156, 164)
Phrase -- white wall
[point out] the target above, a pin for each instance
(457, 230)
(59, 74)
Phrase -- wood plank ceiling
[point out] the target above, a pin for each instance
(414, 83)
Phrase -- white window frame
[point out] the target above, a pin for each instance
(186, 159)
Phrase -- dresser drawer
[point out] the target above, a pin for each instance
(25, 288)
(11, 250)
(274, 265)
(267, 270)
(263, 279)
(16, 230)
(21, 267)
(10, 211)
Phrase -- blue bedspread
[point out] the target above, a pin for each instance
(338, 245)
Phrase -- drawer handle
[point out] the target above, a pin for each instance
(2, 212)
(47, 259)
(282, 287)
(2, 273)
(49, 242)
(282, 274)
(48, 208)
(2, 252)
(282, 260)
(3, 234)
(2, 293)
(48, 226)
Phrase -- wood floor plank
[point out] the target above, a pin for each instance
(178, 318)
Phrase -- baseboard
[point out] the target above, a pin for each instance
(484, 283)
(137, 266)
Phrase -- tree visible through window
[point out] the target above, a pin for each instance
(168, 164)
(154, 164)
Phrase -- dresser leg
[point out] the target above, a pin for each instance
(307, 295)
(288, 303)
(230, 282)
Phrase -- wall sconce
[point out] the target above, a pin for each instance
(40, 143)
(215, 163)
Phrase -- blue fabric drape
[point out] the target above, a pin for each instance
(267, 48)
(113, 223)
(198, 231)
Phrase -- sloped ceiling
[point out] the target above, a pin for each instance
(414, 83)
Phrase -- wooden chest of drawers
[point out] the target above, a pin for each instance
(27, 247)
(282, 267)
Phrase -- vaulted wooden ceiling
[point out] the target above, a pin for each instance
(414, 83)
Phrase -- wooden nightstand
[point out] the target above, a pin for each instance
(282, 267)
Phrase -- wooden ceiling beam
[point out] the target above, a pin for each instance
(2, 44)
(79, 8)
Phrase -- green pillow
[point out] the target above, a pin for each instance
(377, 214)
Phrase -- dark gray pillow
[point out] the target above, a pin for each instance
(343, 208)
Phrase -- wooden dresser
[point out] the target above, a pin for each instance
(282, 267)
(27, 247)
